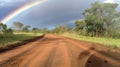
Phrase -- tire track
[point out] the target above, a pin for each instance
(73, 52)
(36, 53)
(40, 58)
(51, 57)
(61, 58)
(80, 55)
(10, 55)
(66, 57)
(93, 52)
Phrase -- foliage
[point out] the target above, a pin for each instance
(4, 31)
(100, 20)
(44, 30)
(17, 37)
(109, 42)
(35, 29)
(60, 29)
(26, 28)
(18, 25)
(80, 27)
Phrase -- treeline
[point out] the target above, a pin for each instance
(20, 27)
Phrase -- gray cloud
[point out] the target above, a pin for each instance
(13, 3)
(54, 12)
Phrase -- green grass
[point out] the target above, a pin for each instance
(17, 37)
(112, 43)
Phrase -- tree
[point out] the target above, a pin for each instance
(35, 30)
(18, 25)
(44, 30)
(111, 17)
(26, 28)
(10, 31)
(100, 18)
(4, 30)
(80, 26)
(58, 29)
(61, 29)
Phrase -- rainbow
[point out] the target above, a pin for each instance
(20, 10)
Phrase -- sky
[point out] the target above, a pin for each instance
(47, 14)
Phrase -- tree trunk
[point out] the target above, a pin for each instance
(96, 32)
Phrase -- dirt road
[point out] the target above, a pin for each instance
(56, 51)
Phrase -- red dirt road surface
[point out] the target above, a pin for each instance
(56, 51)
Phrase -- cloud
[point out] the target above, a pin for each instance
(109, 1)
(112, 1)
(6, 3)
(8, 6)
(54, 12)
(12, 1)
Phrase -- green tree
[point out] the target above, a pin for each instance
(61, 29)
(5, 31)
(44, 30)
(35, 30)
(3, 28)
(10, 31)
(80, 26)
(111, 17)
(26, 28)
(100, 18)
(18, 25)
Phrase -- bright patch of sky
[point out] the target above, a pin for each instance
(112, 1)
(108, 1)
(6, 3)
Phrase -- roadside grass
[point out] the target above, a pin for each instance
(17, 37)
(109, 42)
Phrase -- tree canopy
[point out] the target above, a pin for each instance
(100, 19)
(18, 25)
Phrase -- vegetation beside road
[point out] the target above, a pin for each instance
(109, 42)
(17, 37)
(9, 36)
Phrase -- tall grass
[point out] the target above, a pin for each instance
(17, 37)
(112, 43)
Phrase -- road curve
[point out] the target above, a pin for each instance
(56, 51)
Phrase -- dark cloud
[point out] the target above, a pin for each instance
(8, 7)
(4, 11)
(54, 12)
